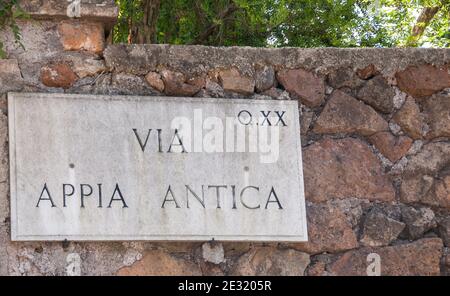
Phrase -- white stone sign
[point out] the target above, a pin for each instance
(89, 167)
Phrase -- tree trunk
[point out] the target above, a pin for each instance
(144, 31)
(202, 37)
(424, 19)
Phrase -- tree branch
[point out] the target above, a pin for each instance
(222, 16)
(424, 19)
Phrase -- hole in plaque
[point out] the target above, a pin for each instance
(71, 165)
(246, 168)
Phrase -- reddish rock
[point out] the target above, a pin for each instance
(210, 269)
(175, 84)
(426, 179)
(344, 168)
(437, 114)
(328, 230)
(199, 81)
(415, 189)
(235, 249)
(233, 81)
(424, 80)
(58, 75)
(345, 114)
(265, 261)
(378, 93)
(430, 160)
(317, 269)
(410, 119)
(155, 81)
(157, 262)
(391, 146)
(367, 72)
(303, 85)
(440, 196)
(421, 257)
(82, 36)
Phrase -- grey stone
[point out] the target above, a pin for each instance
(213, 252)
(10, 75)
(395, 128)
(399, 98)
(100, 10)
(380, 229)
(306, 117)
(201, 59)
(3, 250)
(418, 221)
(378, 94)
(214, 89)
(86, 64)
(432, 158)
(127, 84)
(444, 230)
(264, 78)
(344, 77)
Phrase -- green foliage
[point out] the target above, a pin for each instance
(399, 16)
(10, 11)
(300, 23)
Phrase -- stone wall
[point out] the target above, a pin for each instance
(375, 127)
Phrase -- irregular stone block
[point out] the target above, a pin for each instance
(344, 168)
(84, 64)
(82, 36)
(157, 262)
(58, 75)
(102, 10)
(379, 229)
(432, 158)
(345, 114)
(391, 146)
(233, 81)
(378, 93)
(418, 221)
(344, 78)
(174, 84)
(410, 119)
(426, 179)
(328, 230)
(264, 78)
(437, 114)
(10, 75)
(367, 72)
(303, 85)
(423, 80)
(213, 252)
(264, 261)
(444, 231)
(155, 81)
(421, 257)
